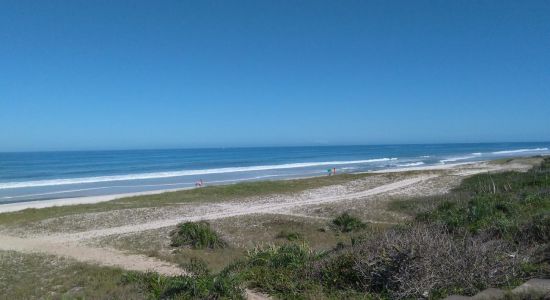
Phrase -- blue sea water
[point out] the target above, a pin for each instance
(34, 176)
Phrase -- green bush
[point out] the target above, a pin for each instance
(197, 235)
(204, 286)
(337, 271)
(507, 205)
(347, 223)
(280, 270)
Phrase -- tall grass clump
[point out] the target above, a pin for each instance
(224, 285)
(197, 235)
(281, 271)
(347, 223)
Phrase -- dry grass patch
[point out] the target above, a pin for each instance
(34, 276)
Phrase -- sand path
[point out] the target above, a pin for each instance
(102, 256)
(226, 210)
(70, 245)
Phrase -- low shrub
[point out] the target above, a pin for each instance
(196, 266)
(419, 261)
(338, 271)
(537, 230)
(280, 270)
(509, 205)
(197, 235)
(204, 286)
(491, 231)
(347, 223)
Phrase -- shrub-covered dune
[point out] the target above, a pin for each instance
(491, 231)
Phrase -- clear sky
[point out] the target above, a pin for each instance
(81, 74)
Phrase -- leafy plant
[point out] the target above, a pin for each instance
(197, 235)
(347, 223)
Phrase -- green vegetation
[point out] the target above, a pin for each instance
(197, 235)
(37, 276)
(491, 231)
(347, 223)
(279, 270)
(204, 285)
(241, 232)
(511, 205)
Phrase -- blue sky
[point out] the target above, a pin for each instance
(163, 74)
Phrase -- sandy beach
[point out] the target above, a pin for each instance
(110, 231)
(469, 168)
(17, 206)
(426, 180)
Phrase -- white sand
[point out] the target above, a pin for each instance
(76, 200)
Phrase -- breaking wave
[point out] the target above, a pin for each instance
(156, 175)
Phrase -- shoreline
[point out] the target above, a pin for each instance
(37, 204)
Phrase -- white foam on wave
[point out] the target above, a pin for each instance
(453, 159)
(520, 151)
(413, 164)
(135, 186)
(457, 158)
(157, 175)
(95, 188)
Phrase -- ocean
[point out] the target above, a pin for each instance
(35, 176)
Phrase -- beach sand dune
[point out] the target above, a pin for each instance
(75, 244)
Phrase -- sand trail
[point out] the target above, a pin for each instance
(238, 209)
(102, 256)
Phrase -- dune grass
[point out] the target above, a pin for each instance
(508, 205)
(347, 223)
(491, 231)
(197, 235)
(198, 286)
(37, 276)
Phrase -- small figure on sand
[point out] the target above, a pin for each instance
(199, 183)
(331, 171)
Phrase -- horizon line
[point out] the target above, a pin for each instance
(268, 146)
